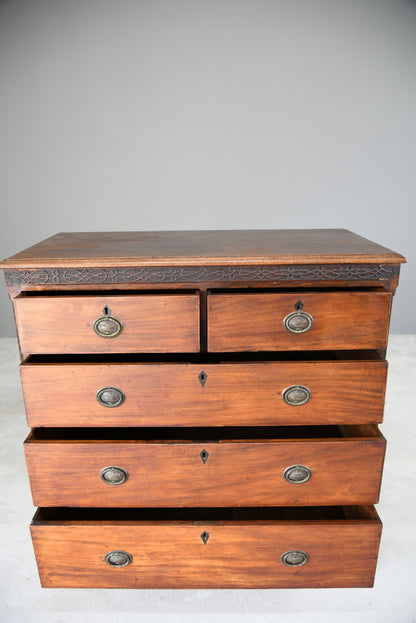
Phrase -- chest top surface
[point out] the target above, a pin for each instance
(202, 248)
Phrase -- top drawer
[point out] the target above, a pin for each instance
(108, 324)
(255, 321)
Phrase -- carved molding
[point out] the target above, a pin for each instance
(197, 274)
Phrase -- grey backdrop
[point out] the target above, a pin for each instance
(212, 114)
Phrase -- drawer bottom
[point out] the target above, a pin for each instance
(312, 547)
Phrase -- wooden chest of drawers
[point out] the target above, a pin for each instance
(204, 406)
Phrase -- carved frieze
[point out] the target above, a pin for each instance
(198, 274)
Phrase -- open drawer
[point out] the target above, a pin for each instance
(282, 389)
(311, 547)
(311, 320)
(107, 323)
(262, 466)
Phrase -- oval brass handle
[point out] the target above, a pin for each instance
(113, 475)
(296, 395)
(108, 326)
(118, 558)
(296, 474)
(294, 558)
(110, 397)
(298, 322)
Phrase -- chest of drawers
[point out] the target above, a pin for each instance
(204, 406)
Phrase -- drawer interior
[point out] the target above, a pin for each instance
(122, 291)
(205, 358)
(296, 288)
(62, 515)
(202, 434)
(99, 293)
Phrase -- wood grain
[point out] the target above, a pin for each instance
(342, 553)
(234, 394)
(196, 248)
(151, 323)
(59, 287)
(65, 472)
(341, 320)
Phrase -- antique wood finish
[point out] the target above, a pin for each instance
(290, 276)
(341, 320)
(237, 554)
(202, 248)
(200, 442)
(64, 324)
(233, 394)
(236, 472)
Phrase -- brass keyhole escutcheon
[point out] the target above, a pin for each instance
(204, 454)
(202, 377)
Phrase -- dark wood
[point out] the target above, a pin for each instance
(64, 324)
(202, 248)
(234, 394)
(66, 472)
(341, 320)
(162, 276)
(238, 554)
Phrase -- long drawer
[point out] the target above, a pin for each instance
(268, 393)
(286, 466)
(214, 548)
(255, 321)
(126, 323)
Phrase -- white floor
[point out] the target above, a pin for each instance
(392, 600)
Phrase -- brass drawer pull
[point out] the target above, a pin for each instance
(110, 397)
(114, 475)
(296, 395)
(295, 558)
(108, 326)
(298, 322)
(296, 474)
(118, 558)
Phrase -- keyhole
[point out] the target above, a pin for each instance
(299, 305)
(204, 456)
(202, 376)
(106, 311)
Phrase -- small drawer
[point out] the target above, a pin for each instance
(131, 392)
(255, 321)
(282, 466)
(108, 324)
(213, 548)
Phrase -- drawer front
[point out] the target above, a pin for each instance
(226, 394)
(336, 320)
(241, 554)
(146, 323)
(227, 473)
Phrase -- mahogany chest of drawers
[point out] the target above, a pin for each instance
(204, 406)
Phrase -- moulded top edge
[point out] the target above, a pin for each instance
(202, 248)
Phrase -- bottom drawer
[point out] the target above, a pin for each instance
(207, 548)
